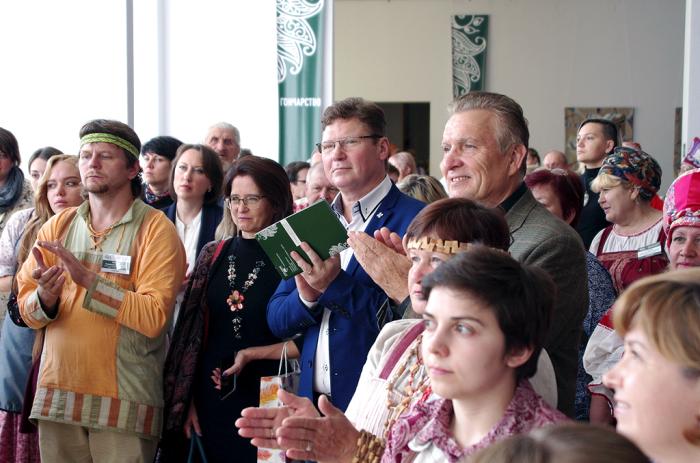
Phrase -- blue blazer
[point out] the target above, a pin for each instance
(358, 309)
(211, 216)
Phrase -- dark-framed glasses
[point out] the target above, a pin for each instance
(326, 147)
(248, 201)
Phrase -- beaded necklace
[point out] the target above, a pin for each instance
(235, 299)
(398, 407)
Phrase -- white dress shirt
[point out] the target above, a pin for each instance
(362, 213)
(189, 235)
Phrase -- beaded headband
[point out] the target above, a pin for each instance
(437, 245)
(109, 138)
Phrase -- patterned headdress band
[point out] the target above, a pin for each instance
(109, 138)
(437, 245)
(635, 167)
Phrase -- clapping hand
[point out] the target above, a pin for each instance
(49, 280)
(261, 424)
(77, 271)
(388, 268)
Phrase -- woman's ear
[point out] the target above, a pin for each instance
(518, 356)
(634, 194)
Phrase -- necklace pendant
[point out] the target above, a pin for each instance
(235, 300)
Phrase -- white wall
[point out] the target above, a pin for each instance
(65, 63)
(691, 74)
(546, 54)
(60, 68)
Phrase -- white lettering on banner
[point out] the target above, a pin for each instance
(289, 101)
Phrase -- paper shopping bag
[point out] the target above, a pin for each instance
(288, 379)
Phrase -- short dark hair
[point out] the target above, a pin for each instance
(567, 188)
(44, 153)
(610, 131)
(121, 130)
(268, 176)
(9, 146)
(367, 112)
(520, 296)
(211, 162)
(162, 146)
(293, 169)
(462, 220)
(533, 152)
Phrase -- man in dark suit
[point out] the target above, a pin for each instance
(484, 149)
(334, 304)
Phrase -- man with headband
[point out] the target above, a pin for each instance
(101, 281)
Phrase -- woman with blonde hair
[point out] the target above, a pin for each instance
(657, 381)
(422, 187)
(565, 443)
(58, 188)
(632, 247)
(681, 222)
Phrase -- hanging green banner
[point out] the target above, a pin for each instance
(469, 33)
(304, 45)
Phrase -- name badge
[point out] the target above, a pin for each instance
(116, 263)
(654, 249)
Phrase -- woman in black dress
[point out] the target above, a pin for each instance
(223, 325)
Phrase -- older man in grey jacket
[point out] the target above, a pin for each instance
(484, 148)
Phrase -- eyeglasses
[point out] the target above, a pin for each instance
(326, 147)
(248, 201)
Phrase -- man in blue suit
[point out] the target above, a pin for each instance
(334, 304)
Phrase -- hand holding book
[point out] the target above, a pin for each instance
(315, 229)
(320, 273)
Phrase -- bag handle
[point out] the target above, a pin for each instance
(195, 440)
(283, 359)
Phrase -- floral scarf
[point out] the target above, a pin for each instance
(188, 340)
(10, 193)
(427, 425)
(151, 198)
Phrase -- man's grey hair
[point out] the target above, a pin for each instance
(406, 159)
(231, 128)
(512, 125)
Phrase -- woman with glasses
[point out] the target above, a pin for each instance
(222, 345)
(57, 189)
(561, 192)
(394, 376)
(196, 178)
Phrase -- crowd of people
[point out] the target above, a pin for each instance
(508, 311)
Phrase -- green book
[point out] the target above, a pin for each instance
(316, 224)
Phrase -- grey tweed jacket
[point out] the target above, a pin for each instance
(543, 240)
